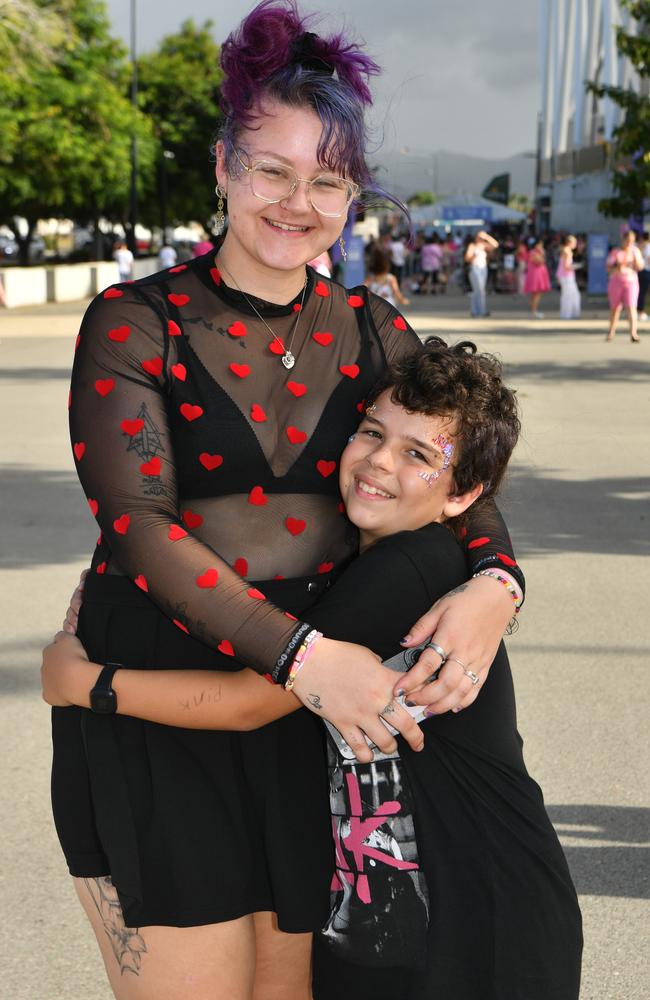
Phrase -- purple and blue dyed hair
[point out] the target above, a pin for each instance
(272, 55)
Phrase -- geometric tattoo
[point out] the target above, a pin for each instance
(146, 442)
(127, 942)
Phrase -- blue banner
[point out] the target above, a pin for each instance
(597, 251)
(451, 213)
(355, 267)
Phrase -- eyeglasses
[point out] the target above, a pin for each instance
(272, 182)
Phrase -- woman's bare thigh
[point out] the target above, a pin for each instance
(283, 964)
(211, 962)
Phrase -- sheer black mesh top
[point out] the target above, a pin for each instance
(207, 463)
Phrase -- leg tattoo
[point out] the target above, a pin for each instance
(127, 942)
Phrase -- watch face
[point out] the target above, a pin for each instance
(103, 702)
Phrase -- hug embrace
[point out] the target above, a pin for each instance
(252, 573)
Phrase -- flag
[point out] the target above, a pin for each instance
(498, 189)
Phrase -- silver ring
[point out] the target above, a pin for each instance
(472, 676)
(460, 662)
(437, 649)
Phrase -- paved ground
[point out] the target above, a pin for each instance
(577, 504)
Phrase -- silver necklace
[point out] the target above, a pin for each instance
(288, 359)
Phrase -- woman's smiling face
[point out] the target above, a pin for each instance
(397, 472)
(258, 230)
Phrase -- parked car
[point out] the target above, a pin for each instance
(10, 251)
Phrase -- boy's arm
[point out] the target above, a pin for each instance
(191, 699)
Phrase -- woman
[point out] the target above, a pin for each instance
(566, 275)
(381, 282)
(623, 266)
(476, 256)
(521, 257)
(209, 406)
(537, 279)
(431, 847)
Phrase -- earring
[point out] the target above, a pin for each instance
(220, 218)
(344, 253)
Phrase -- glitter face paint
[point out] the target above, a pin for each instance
(447, 449)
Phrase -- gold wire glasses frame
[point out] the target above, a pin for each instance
(273, 182)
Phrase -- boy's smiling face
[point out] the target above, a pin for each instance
(397, 474)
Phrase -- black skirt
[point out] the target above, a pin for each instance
(193, 826)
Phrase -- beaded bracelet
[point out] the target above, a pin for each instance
(508, 584)
(301, 657)
(280, 671)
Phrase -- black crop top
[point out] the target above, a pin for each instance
(208, 464)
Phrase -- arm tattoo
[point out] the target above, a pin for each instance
(314, 701)
(457, 590)
(389, 710)
(127, 942)
(147, 444)
(209, 696)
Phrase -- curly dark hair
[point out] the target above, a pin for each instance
(460, 383)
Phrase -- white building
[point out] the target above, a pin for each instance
(576, 154)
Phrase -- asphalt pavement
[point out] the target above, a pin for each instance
(577, 504)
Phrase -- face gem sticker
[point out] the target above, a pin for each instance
(447, 449)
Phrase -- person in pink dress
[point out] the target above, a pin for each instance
(521, 256)
(537, 279)
(623, 266)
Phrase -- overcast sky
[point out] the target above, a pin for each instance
(459, 75)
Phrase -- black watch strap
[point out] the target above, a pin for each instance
(103, 699)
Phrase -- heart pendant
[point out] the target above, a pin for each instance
(288, 360)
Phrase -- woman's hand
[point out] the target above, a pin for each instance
(468, 624)
(347, 685)
(72, 614)
(63, 656)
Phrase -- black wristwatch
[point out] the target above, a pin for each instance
(103, 699)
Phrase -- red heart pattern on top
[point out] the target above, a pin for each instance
(141, 582)
(278, 576)
(257, 497)
(241, 371)
(399, 323)
(296, 436)
(180, 625)
(294, 525)
(151, 468)
(297, 389)
(241, 566)
(179, 371)
(122, 524)
(178, 268)
(225, 647)
(208, 580)
(276, 347)
(191, 519)
(173, 329)
(104, 385)
(94, 507)
(191, 412)
(257, 414)
(322, 289)
(120, 334)
(237, 329)
(113, 293)
(287, 614)
(101, 568)
(360, 406)
(256, 594)
(325, 468)
(178, 299)
(296, 307)
(351, 371)
(326, 567)
(322, 338)
(210, 462)
(176, 532)
(79, 450)
(153, 366)
(132, 427)
(355, 301)
(69, 398)
(477, 543)
(77, 341)
(215, 274)
(506, 560)
(463, 532)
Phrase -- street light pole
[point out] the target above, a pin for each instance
(134, 140)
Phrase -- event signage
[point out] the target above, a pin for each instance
(597, 251)
(452, 213)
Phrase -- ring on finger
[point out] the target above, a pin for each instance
(437, 649)
(462, 665)
(475, 679)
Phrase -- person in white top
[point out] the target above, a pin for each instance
(476, 256)
(124, 260)
(397, 250)
(566, 275)
(644, 275)
(167, 256)
(381, 281)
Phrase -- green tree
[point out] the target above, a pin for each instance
(74, 122)
(631, 176)
(422, 198)
(520, 203)
(179, 91)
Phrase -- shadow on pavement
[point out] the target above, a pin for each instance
(35, 374)
(546, 515)
(617, 370)
(619, 868)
